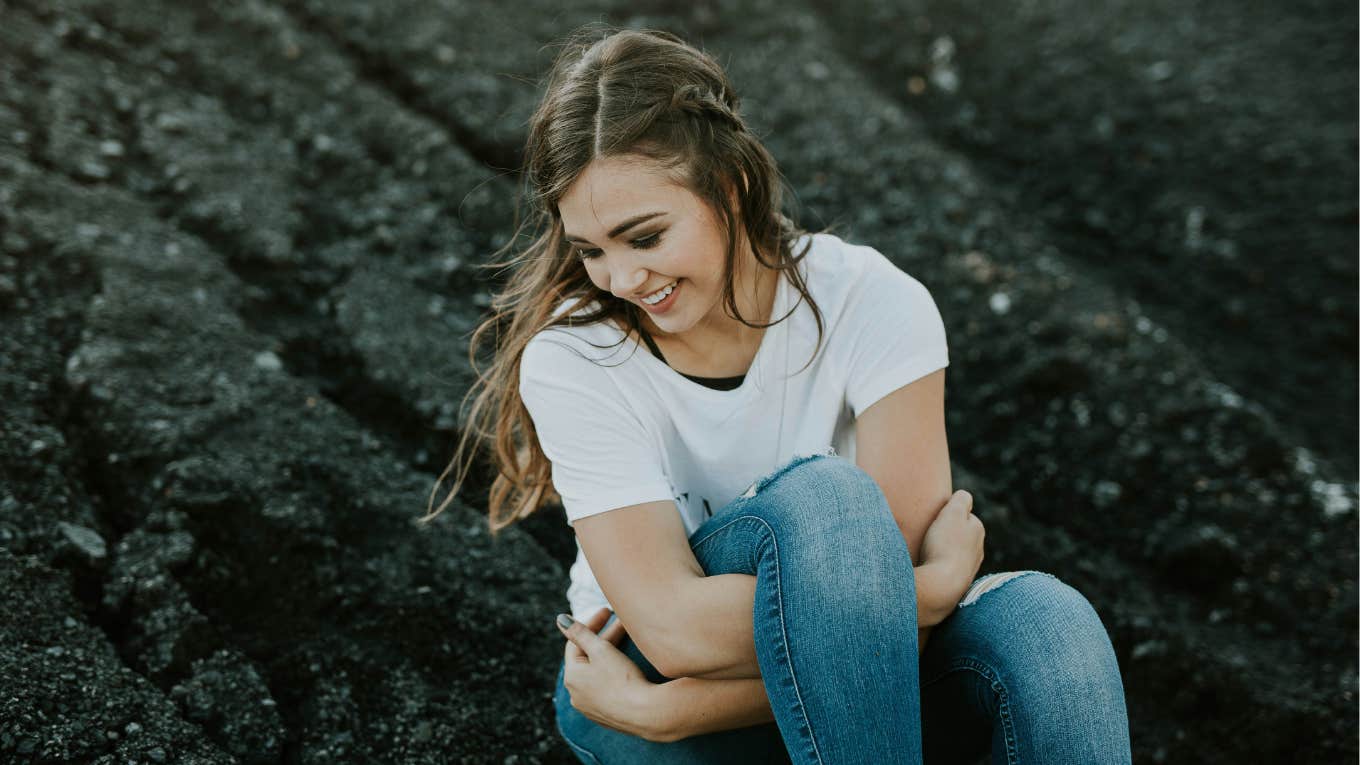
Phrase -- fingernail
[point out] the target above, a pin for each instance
(564, 621)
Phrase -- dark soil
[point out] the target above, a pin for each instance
(237, 250)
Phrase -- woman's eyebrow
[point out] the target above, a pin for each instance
(622, 227)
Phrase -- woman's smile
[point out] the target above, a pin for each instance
(634, 228)
(665, 303)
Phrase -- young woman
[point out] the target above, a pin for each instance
(745, 425)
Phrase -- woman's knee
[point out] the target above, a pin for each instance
(1065, 607)
(820, 491)
(830, 520)
(822, 515)
(1047, 622)
(1059, 664)
(1087, 645)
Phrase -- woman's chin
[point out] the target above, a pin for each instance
(671, 325)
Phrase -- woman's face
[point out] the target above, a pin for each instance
(663, 235)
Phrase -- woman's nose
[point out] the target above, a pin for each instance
(625, 280)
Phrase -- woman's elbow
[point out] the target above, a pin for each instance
(660, 644)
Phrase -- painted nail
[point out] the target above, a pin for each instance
(564, 621)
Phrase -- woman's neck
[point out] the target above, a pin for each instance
(727, 348)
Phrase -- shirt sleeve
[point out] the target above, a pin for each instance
(898, 333)
(603, 457)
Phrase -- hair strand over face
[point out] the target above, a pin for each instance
(642, 94)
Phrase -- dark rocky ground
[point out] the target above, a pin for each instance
(236, 249)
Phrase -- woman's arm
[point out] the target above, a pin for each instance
(692, 706)
(610, 689)
(939, 585)
(731, 600)
(606, 686)
(691, 625)
(901, 443)
(725, 605)
(684, 622)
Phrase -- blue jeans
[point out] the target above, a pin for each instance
(1023, 668)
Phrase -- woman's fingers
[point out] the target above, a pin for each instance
(579, 636)
(597, 620)
(962, 499)
(614, 633)
(573, 651)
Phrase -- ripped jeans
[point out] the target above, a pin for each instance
(1023, 668)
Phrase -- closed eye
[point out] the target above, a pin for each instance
(641, 243)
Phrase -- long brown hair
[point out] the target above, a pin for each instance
(637, 93)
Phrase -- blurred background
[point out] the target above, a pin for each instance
(238, 265)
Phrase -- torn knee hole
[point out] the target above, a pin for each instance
(991, 582)
(761, 482)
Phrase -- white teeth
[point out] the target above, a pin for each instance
(657, 297)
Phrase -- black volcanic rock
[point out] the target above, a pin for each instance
(239, 253)
(68, 696)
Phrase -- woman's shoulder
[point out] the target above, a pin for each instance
(835, 259)
(835, 269)
(570, 347)
(596, 342)
(829, 250)
(856, 285)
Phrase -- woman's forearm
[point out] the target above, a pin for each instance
(692, 706)
(721, 645)
(938, 589)
(719, 641)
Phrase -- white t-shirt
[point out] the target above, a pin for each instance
(620, 427)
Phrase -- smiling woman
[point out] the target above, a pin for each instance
(671, 264)
(763, 494)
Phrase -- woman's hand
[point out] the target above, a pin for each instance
(604, 684)
(955, 541)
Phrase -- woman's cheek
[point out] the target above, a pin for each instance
(598, 276)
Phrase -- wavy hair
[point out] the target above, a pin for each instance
(610, 93)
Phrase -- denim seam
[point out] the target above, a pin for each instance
(580, 750)
(999, 688)
(783, 629)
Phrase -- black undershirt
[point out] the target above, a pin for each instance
(718, 383)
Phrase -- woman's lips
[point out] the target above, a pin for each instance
(665, 305)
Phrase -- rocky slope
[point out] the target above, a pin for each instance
(238, 252)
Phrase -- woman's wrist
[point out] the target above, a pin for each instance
(691, 706)
(940, 583)
(652, 716)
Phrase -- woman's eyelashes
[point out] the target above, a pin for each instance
(641, 243)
